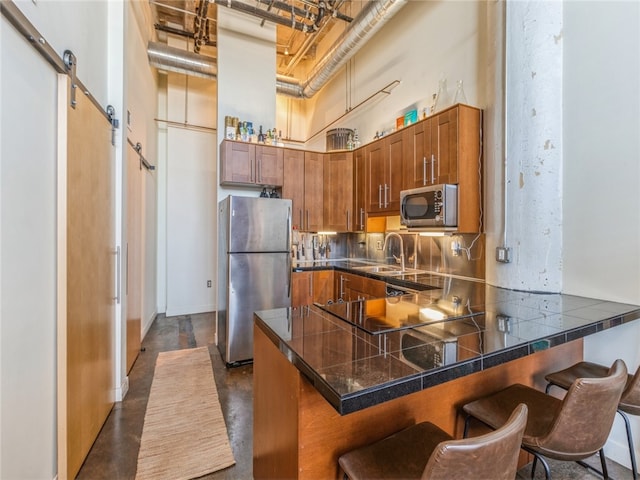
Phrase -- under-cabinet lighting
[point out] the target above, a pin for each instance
(433, 234)
(432, 313)
(327, 233)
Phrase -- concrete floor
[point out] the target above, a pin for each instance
(115, 452)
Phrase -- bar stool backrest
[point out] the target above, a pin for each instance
(586, 416)
(493, 455)
(630, 401)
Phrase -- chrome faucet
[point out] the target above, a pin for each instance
(400, 259)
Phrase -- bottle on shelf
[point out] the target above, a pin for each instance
(459, 97)
(442, 97)
(356, 138)
(260, 135)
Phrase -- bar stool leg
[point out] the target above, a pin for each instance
(603, 462)
(634, 467)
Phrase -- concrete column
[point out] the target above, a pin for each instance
(532, 209)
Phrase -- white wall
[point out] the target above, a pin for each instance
(601, 198)
(187, 194)
(423, 42)
(27, 260)
(246, 77)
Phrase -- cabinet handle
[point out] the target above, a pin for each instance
(301, 219)
(348, 221)
(424, 170)
(260, 172)
(342, 280)
(433, 161)
(386, 201)
(379, 196)
(308, 227)
(311, 285)
(361, 218)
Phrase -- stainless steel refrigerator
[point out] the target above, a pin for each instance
(254, 268)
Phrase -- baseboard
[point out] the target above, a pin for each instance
(147, 325)
(617, 448)
(122, 390)
(192, 310)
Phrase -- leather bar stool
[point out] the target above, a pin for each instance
(424, 451)
(571, 429)
(629, 402)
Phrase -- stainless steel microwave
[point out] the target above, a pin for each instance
(432, 206)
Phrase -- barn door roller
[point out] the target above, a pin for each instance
(70, 62)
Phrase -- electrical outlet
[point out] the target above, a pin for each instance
(504, 323)
(456, 248)
(208, 283)
(503, 254)
(379, 245)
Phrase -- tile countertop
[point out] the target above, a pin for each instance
(354, 370)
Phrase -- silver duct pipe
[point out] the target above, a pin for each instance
(369, 21)
(173, 59)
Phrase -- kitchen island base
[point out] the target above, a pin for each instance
(298, 434)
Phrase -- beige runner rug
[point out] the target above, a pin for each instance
(184, 435)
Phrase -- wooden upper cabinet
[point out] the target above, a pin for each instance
(269, 165)
(237, 162)
(394, 174)
(293, 184)
(338, 192)
(419, 169)
(384, 165)
(376, 154)
(442, 146)
(313, 191)
(444, 140)
(244, 163)
(359, 190)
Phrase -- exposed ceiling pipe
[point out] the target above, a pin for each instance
(369, 21)
(164, 57)
(263, 14)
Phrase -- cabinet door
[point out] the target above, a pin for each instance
(269, 166)
(293, 184)
(445, 145)
(375, 166)
(419, 168)
(313, 191)
(338, 192)
(393, 172)
(237, 162)
(359, 195)
(323, 286)
(301, 288)
(374, 288)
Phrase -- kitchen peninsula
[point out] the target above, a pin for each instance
(331, 378)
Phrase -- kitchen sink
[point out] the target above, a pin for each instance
(378, 269)
(387, 270)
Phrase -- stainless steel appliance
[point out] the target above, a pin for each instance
(431, 206)
(254, 270)
(426, 348)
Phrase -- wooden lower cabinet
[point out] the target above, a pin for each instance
(350, 287)
(311, 287)
(298, 434)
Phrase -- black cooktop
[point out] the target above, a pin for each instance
(383, 315)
